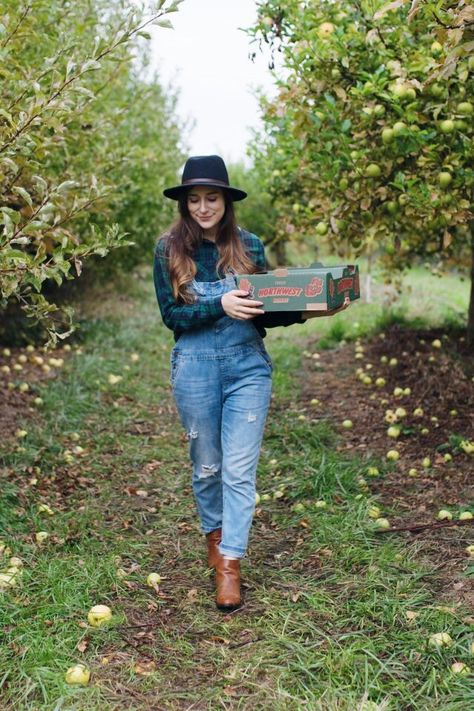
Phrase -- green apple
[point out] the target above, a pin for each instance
(440, 639)
(393, 362)
(44, 508)
(380, 382)
(298, 508)
(466, 516)
(393, 455)
(447, 126)
(15, 562)
(347, 424)
(325, 29)
(79, 674)
(41, 536)
(99, 614)
(444, 515)
(154, 579)
(398, 392)
(413, 472)
(320, 504)
(343, 184)
(388, 135)
(7, 580)
(426, 462)
(418, 412)
(460, 668)
(436, 343)
(436, 49)
(373, 171)
(465, 108)
(470, 551)
(400, 412)
(374, 512)
(321, 228)
(382, 522)
(373, 471)
(399, 127)
(444, 179)
(393, 432)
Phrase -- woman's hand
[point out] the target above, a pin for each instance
(237, 306)
(314, 314)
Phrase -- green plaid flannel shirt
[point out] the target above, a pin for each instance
(183, 317)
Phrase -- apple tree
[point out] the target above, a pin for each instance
(362, 145)
(69, 139)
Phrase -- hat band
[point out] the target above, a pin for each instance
(205, 181)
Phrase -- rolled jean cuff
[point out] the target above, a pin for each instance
(233, 552)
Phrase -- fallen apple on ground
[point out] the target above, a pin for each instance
(460, 668)
(382, 523)
(78, 674)
(153, 580)
(444, 515)
(99, 614)
(440, 639)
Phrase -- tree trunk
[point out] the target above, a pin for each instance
(470, 317)
(368, 280)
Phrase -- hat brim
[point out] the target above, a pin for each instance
(176, 192)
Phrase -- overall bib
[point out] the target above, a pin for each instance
(221, 376)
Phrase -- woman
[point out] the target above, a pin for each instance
(220, 370)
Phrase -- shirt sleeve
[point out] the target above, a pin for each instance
(180, 317)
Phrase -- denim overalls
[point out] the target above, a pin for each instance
(221, 380)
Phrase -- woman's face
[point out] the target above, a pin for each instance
(206, 206)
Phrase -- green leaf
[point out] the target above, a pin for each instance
(24, 194)
(164, 23)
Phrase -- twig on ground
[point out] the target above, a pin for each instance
(420, 526)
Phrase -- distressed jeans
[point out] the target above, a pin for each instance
(221, 380)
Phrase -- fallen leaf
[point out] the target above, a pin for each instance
(145, 668)
(82, 645)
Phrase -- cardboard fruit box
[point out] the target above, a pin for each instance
(315, 288)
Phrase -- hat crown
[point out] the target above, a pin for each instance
(205, 168)
(206, 171)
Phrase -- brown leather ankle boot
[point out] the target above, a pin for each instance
(213, 540)
(228, 584)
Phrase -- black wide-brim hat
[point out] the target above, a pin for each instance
(209, 171)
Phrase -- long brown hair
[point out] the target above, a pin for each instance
(185, 236)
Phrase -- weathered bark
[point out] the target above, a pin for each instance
(470, 317)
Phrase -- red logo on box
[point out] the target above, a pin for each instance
(314, 287)
(344, 284)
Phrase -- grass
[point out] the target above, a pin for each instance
(325, 624)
